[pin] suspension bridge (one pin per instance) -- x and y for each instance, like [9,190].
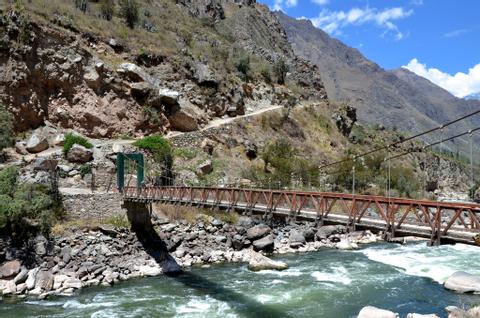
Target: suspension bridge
[440,222]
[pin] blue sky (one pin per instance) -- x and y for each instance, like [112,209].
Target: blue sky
[437,39]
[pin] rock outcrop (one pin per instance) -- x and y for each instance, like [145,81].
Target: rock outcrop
[463,282]
[373,312]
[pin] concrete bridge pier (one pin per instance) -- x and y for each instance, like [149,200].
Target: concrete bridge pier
[140,217]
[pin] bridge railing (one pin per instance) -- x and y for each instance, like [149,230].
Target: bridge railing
[394,214]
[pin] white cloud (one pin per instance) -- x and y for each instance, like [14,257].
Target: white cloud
[456,33]
[460,84]
[333,21]
[320,2]
[281,4]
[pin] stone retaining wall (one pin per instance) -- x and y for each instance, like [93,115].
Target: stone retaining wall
[93,205]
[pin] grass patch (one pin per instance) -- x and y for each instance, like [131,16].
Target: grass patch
[71,139]
[186,153]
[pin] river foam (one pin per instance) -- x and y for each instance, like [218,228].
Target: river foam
[417,259]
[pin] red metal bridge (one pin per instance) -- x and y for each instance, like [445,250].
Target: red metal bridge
[439,221]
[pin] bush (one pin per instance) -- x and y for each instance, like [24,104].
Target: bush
[6,128]
[129,12]
[81,5]
[162,154]
[243,66]
[281,69]
[25,209]
[107,9]
[267,74]
[71,139]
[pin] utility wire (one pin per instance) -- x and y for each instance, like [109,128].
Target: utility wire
[402,141]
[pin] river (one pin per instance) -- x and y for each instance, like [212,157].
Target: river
[327,283]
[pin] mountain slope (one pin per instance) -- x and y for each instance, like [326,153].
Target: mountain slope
[395,98]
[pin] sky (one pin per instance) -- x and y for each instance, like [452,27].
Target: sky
[437,39]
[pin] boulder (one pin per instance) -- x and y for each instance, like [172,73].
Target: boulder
[258,231]
[10,269]
[37,143]
[463,282]
[204,76]
[79,154]
[237,242]
[59,140]
[20,148]
[422,316]
[373,312]
[296,238]
[264,244]
[346,244]
[44,164]
[32,274]
[184,118]
[140,89]
[134,73]
[168,96]
[327,230]
[22,276]
[10,288]
[72,282]
[91,78]
[205,168]
[44,280]
[258,262]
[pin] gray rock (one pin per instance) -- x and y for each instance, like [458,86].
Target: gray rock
[22,276]
[10,288]
[463,282]
[32,274]
[44,280]
[41,248]
[237,242]
[205,168]
[204,75]
[373,312]
[168,96]
[413,315]
[20,147]
[264,244]
[296,239]
[37,143]
[92,78]
[245,221]
[258,262]
[79,154]
[258,231]
[134,72]
[10,269]
[185,117]
[327,230]
[44,164]
[72,282]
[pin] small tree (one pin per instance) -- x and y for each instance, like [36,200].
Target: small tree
[6,128]
[107,9]
[81,5]
[129,12]
[281,69]
[162,154]
[243,66]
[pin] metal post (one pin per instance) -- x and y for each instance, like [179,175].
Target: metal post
[472,182]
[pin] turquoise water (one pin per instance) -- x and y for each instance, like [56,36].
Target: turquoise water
[326,283]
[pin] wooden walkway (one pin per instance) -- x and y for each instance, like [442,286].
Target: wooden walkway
[441,222]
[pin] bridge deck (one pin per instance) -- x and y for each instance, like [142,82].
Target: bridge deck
[439,221]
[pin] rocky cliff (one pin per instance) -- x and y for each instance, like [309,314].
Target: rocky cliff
[77,71]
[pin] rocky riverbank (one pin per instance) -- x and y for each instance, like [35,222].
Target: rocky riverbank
[105,255]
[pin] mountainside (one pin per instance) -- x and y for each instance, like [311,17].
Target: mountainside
[397,98]
[182,64]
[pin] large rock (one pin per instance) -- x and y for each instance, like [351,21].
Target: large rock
[327,230]
[185,117]
[32,274]
[455,312]
[37,143]
[80,154]
[205,167]
[373,312]
[134,73]
[258,262]
[168,96]
[346,244]
[45,164]
[22,276]
[264,244]
[72,282]
[44,280]
[204,76]
[463,282]
[296,239]
[258,231]
[10,269]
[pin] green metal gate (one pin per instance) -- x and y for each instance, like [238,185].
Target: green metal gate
[139,160]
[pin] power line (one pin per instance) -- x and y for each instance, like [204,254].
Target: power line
[401,141]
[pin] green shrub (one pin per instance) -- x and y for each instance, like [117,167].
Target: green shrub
[281,69]
[71,139]
[162,154]
[25,209]
[107,9]
[81,5]
[85,169]
[6,128]
[267,74]
[129,12]
[243,66]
